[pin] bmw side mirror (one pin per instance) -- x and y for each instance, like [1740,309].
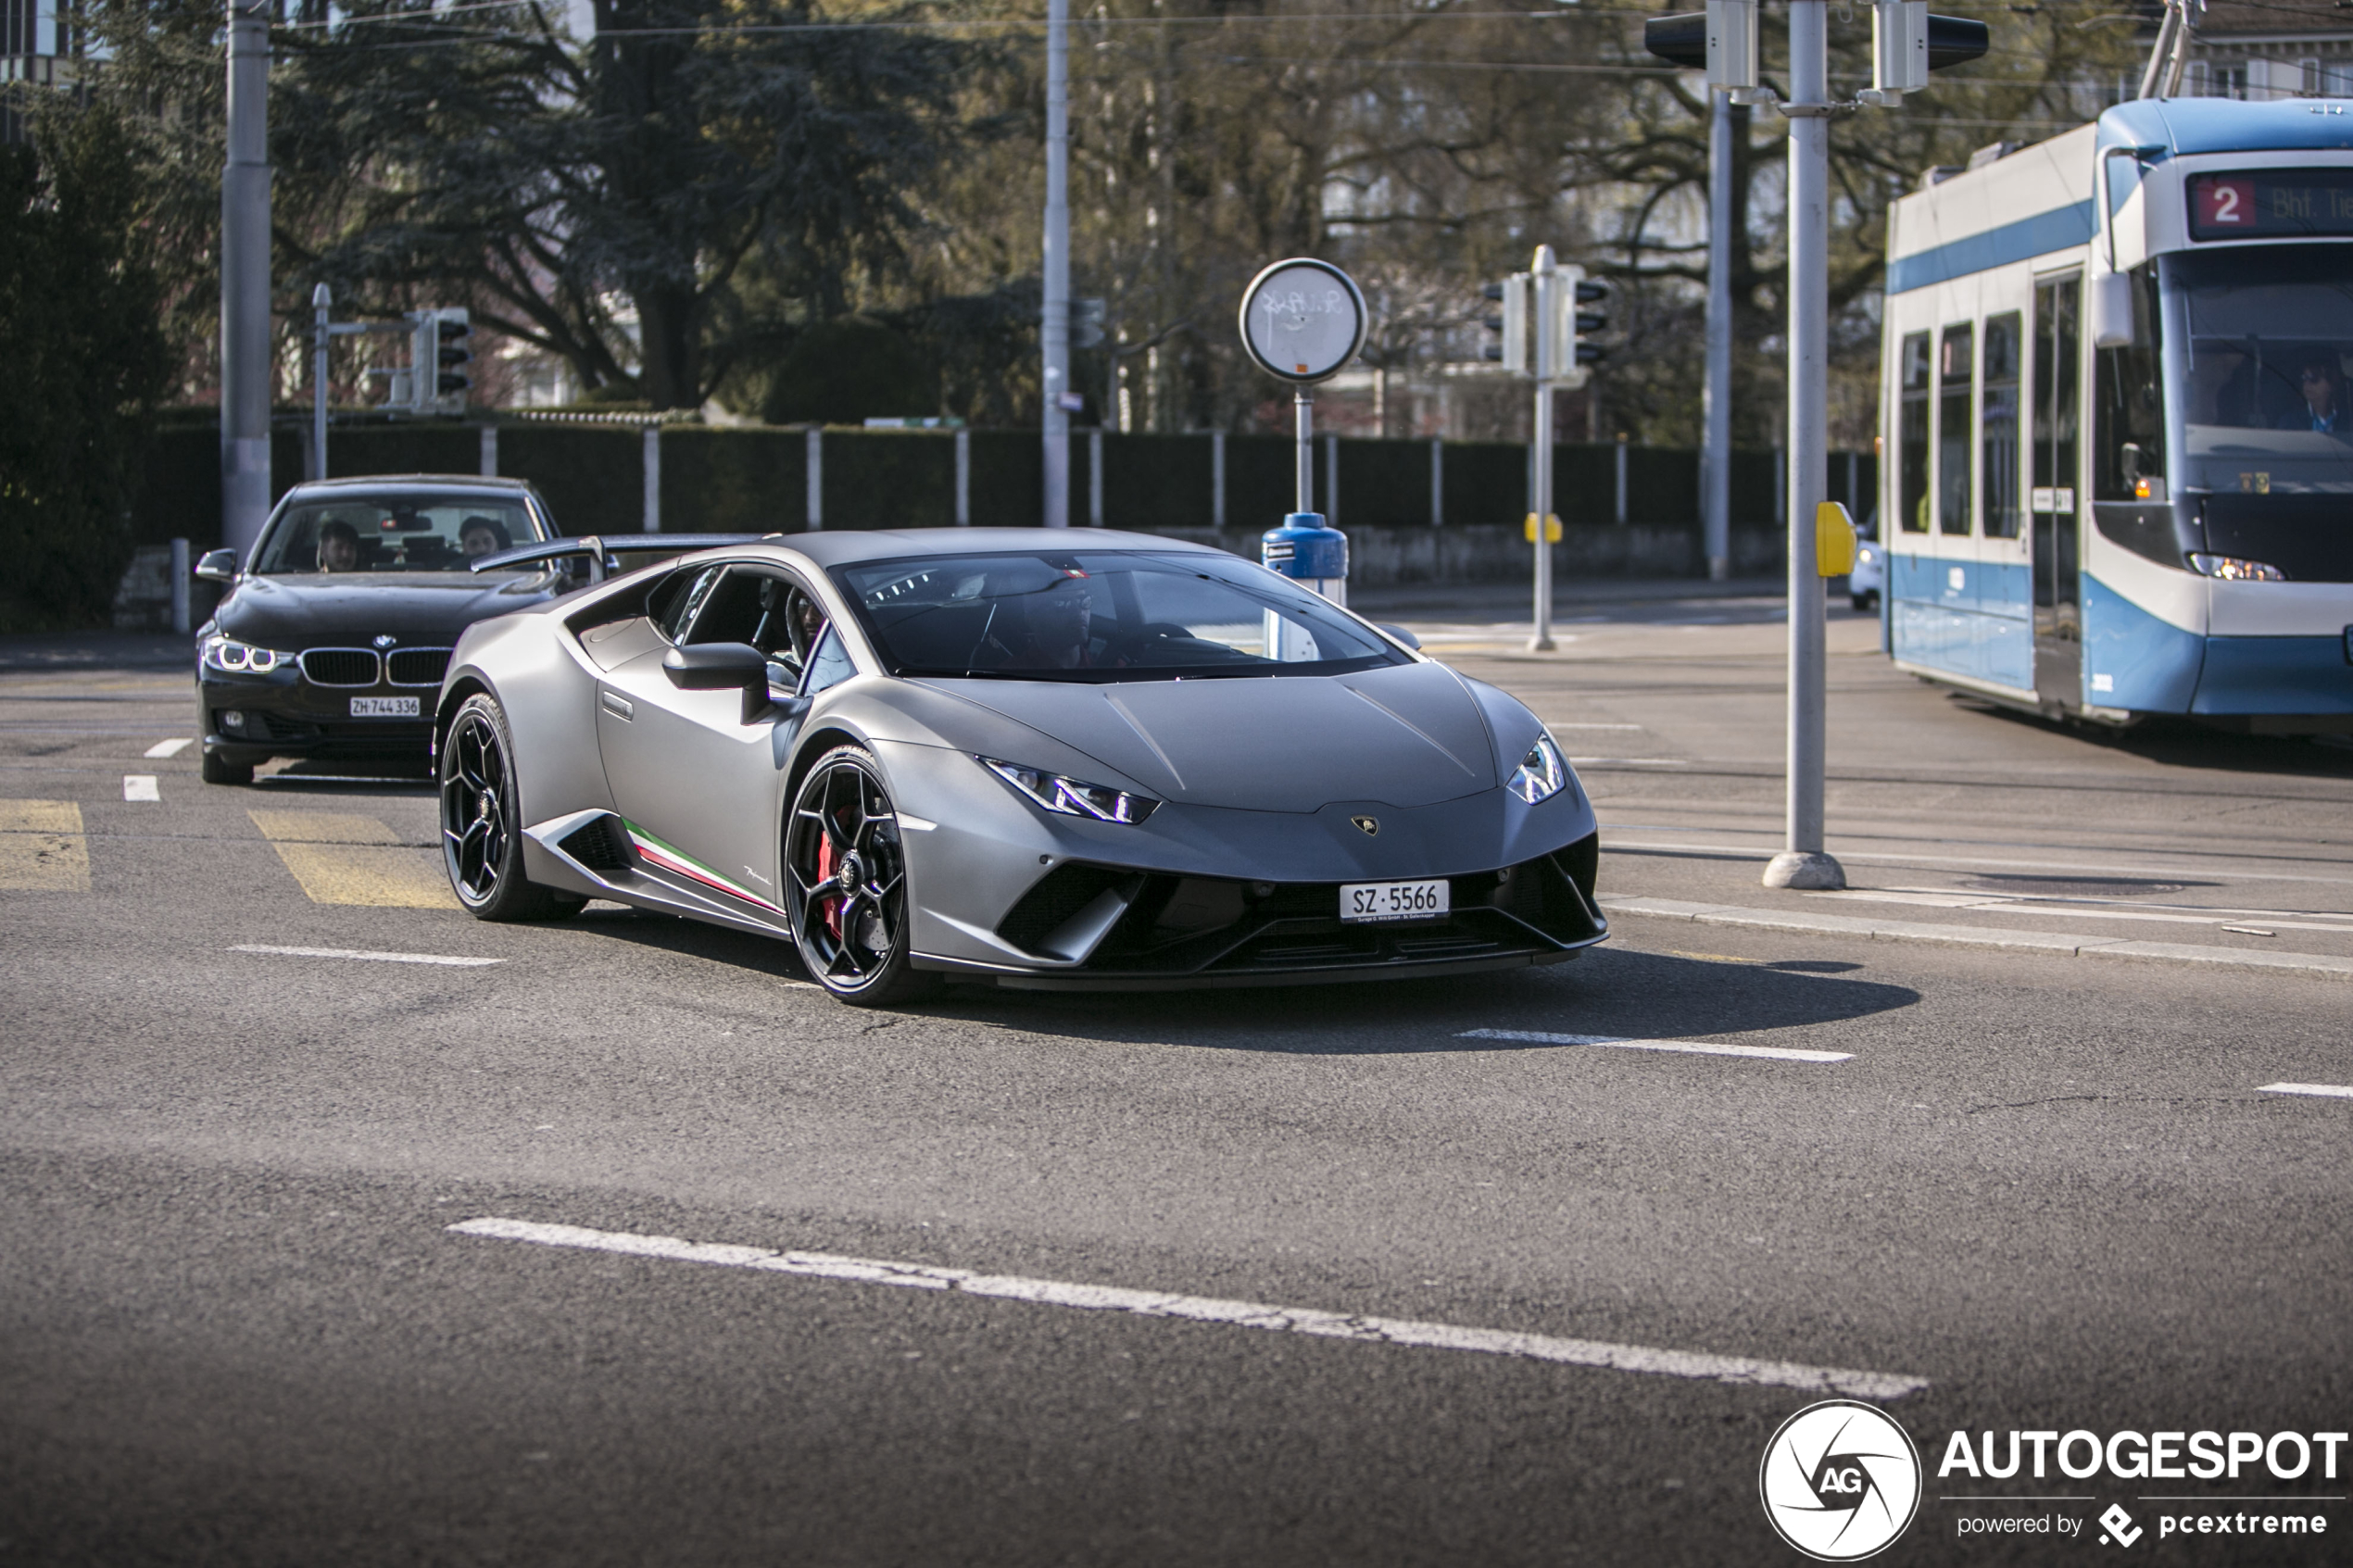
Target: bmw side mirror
[217,566]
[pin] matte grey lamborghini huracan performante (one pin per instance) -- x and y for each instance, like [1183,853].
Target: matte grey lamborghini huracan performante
[1075,761]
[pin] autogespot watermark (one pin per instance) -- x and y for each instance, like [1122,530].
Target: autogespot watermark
[2247,1458]
[1841,1480]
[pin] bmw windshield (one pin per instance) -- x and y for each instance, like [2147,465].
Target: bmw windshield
[1090,617]
[394,530]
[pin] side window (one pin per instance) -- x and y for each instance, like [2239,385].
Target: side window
[2128,458]
[672,607]
[1998,425]
[1955,371]
[1911,437]
[733,611]
[828,664]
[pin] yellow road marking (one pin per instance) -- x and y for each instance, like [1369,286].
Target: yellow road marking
[41,848]
[1712,958]
[341,858]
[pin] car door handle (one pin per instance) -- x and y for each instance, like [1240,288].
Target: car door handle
[614,704]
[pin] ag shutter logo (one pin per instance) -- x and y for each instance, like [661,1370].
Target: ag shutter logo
[1841,1480]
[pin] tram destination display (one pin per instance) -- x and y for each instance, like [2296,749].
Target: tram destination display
[2272,204]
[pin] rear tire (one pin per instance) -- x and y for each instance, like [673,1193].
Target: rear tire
[214,770]
[481,824]
[845,884]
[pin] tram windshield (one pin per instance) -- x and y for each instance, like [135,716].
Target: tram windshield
[2268,352]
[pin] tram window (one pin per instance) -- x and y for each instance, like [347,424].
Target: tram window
[1956,369]
[1911,436]
[2128,441]
[1998,425]
[2055,380]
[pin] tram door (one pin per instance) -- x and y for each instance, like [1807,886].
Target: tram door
[2058,591]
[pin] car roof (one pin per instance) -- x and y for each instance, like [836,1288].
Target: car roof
[417,481]
[851,547]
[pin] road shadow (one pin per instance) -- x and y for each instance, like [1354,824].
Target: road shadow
[1608,991]
[2178,743]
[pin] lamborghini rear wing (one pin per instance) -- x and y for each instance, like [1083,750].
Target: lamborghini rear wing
[603,551]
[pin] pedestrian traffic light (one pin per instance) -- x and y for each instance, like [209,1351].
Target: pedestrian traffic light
[1087,319]
[450,355]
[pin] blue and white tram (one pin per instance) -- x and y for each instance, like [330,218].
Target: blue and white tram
[2115,395]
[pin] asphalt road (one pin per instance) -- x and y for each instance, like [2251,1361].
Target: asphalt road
[2031,1192]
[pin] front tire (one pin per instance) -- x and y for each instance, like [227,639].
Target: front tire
[214,770]
[846,881]
[481,821]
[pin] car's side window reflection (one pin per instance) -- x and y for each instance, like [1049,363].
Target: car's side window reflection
[674,604]
[829,666]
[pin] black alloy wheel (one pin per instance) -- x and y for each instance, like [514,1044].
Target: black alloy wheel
[845,878]
[480,831]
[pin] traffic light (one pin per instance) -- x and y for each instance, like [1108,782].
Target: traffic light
[1511,352]
[1584,324]
[450,329]
[1087,319]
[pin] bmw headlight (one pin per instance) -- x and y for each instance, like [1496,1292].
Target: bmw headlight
[1073,797]
[1541,774]
[233,657]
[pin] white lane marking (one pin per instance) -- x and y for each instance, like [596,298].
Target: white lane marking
[1630,761]
[2333,1091]
[1200,1309]
[140,787]
[1594,726]
[1695,1048]
[358,953]
[169,748]
[1891,858]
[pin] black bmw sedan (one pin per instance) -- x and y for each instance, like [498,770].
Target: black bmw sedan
[334,632]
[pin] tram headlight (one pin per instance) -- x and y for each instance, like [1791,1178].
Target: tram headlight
[2236,569]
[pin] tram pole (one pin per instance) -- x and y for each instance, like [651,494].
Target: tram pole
[1804,862]
[1716,461]
[245,281]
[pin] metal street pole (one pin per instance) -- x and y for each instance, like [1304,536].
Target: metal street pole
[1302,404]
[1803,861]
[245,281]
[1715,461]
[1054,331]
[1543,306]
[320,301]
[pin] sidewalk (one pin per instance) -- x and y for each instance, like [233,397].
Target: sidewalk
[98,650]
[1472,603]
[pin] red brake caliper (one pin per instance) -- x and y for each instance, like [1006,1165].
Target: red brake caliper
[832,902]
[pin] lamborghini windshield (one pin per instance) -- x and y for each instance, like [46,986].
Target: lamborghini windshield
[1102,617]
[389,530]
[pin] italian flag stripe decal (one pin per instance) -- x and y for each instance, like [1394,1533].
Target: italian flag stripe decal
[676,861]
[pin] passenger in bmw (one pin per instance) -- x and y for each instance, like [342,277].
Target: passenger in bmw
[480,536]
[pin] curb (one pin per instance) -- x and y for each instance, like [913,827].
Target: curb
[2057,945]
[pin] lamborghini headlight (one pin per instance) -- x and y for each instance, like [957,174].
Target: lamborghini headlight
[1073,797]
[233,657]
[1541,772]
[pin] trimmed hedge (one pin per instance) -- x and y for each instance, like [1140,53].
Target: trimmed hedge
[756,480]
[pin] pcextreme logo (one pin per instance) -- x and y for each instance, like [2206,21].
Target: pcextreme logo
[1841,1480]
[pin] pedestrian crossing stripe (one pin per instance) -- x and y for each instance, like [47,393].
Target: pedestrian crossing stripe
[43,847]
[343,857]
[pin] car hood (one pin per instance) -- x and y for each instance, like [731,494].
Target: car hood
[1407,735]
[418,609]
